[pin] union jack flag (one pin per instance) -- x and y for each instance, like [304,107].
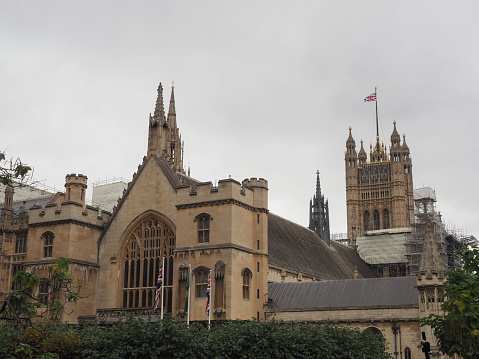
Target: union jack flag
[208,294]
[158,287]
[370,98]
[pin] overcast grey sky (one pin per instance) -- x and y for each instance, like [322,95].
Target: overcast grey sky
[263,89]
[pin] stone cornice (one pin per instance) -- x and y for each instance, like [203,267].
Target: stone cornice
[52,261]
[65,221]
[209,247]
[221,202]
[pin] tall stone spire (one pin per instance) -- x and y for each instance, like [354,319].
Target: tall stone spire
[431,262]
[172,109]
[319,213]
[159,114]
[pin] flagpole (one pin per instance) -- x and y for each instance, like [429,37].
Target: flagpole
[189,295]
[162,285]
[209,309]
[377,122]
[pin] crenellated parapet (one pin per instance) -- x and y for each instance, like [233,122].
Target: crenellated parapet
[68,212]
[252,193]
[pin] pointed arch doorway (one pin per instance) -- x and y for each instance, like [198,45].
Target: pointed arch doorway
[149,238]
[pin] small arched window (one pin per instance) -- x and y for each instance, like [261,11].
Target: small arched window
[247,275]
[201,276]
[47,239]
[203,221]
[43,290]
[386,219]
[407,353]
[366,220]
[374,330]
[376,219]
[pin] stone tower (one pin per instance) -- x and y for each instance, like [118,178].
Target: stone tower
[430,281]
[319,214]
[164,137]
[379,192]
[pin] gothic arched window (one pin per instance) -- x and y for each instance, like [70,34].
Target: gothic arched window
[247,275]
[21,242]
[374,330]
[47,239]
[201,276]
[203,220]
[386,219]
[43,290]
[407,353]
[147,242]
[366,220]
[376,219]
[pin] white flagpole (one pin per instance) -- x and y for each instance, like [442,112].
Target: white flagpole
[209,310]
[162,285]
[189,295]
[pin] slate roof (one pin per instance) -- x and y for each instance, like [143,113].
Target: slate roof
[369,292]
[298,248]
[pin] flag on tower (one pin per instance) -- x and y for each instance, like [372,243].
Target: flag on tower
[187,303]
[208,295]
[371,97]
[158,287]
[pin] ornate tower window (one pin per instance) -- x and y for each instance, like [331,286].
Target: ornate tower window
[201,276]
[203,221]
[247,275]
[366,220]
[21,242]
[376,219]
[386,219]
[47,239]
[147,242]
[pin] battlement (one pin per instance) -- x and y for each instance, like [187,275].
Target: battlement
[76,180]
[255,183]
[69,212]
[252,192]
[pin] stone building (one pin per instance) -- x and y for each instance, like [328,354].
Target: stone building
[165,213]
[262,265]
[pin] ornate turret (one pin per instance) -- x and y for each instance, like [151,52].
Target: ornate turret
[319,214]
[164,137]
[362,157]
[350,156]
[7,210]
[75,188]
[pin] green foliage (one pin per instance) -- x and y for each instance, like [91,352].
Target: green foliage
[9,334]
[171,339]
[457,331]
[10,170]
[21,305]
[229,339]
[52,339]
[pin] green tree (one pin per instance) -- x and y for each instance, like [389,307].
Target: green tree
[22,305]
[457,331]
[13,170]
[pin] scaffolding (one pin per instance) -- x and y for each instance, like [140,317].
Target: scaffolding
[448,241]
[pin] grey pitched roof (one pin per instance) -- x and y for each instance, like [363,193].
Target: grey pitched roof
[369,292]
[298,248]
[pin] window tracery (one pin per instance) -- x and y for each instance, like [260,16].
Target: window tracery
[147,243]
